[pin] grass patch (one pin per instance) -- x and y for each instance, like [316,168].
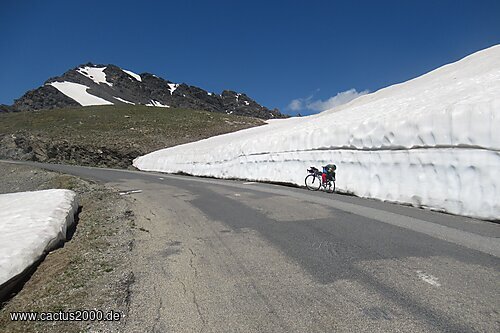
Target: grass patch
[60,133]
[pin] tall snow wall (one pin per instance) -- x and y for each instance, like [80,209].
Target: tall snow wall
[432,141]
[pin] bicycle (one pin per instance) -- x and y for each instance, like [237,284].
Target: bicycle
[314,181]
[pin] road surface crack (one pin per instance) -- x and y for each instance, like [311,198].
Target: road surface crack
[193,267]
[184,289]
[203,321]
[194,300]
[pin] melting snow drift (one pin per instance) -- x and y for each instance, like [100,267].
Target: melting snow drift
[123,100]
[32,224]
[96,74]
[431,141]
[132,74]
[79,93]
[158,104]
[172,87]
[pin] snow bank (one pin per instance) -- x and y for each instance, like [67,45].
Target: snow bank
[79,93]
[96,74]
[31,224]
[135,76]
[432,141]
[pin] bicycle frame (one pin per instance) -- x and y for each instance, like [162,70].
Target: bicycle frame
[326,185]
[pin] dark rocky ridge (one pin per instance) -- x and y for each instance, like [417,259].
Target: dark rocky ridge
[45,97]
[27,147]
[150,88]
[6,108]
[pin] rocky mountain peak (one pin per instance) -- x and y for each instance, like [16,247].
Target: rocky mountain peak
[97,84]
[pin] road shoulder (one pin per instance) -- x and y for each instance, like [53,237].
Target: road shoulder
[90,271]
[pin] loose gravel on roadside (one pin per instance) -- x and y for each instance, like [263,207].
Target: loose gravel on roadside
[90,271]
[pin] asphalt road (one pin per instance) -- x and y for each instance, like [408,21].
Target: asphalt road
[234,256]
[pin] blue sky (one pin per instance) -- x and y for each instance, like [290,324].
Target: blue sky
[293,55]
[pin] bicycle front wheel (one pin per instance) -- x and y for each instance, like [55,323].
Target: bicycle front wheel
[313,183]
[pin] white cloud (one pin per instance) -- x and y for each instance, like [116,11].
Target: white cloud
[339,99]
[296,105]
[320,105]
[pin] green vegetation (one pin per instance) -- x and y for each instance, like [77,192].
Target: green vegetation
[55,135]
[133,125]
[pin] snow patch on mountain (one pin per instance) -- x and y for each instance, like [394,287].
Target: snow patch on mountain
[96,74]
[122,100]
[432,142]
[172,87]
[158,104]
[79,93]
[134,75]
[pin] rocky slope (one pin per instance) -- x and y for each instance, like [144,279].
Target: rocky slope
[109,135]
[108,84]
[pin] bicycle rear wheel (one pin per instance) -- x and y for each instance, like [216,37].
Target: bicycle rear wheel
[313,183]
